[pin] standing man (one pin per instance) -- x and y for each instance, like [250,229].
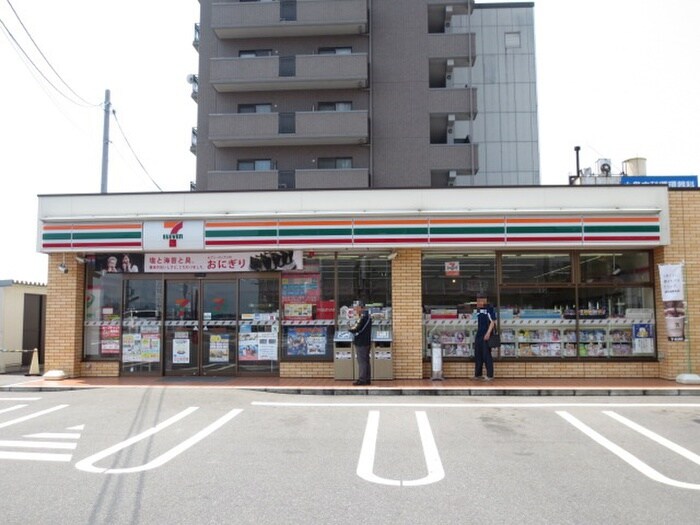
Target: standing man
[363,337]
[486,324]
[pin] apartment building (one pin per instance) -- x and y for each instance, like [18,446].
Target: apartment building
[351,94]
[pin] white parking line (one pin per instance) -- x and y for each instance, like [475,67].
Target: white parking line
[626,456]
[87,464]
[687,454]
[11,409]
[55,435]
[473,405]
[365,464]
[35,456]
[38,444]
[32,416]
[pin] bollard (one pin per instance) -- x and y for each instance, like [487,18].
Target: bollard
[34,366]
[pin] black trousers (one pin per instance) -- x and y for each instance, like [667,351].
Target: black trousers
[362,353]
[482,355]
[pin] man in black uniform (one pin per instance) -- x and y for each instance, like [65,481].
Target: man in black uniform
[363,337]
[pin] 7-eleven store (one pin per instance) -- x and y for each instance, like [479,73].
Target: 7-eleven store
[260,283]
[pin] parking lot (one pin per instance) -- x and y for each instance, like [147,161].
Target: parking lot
[263,457]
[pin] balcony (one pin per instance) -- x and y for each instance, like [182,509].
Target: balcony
[446,45]
[460,101]
[294,73]
[288,129]
[462,158]
[280,19]
[334,179]
[242,180]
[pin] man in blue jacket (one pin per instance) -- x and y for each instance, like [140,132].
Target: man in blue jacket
[486,324]
[362,340]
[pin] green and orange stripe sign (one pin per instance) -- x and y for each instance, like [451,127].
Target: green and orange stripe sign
[363,232]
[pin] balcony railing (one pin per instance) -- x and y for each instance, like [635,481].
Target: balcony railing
[293,129]
[309,72]
[463,158]
[275,19]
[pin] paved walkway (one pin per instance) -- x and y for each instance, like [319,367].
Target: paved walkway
[448,387]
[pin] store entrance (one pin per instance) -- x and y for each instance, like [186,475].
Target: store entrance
[217,327]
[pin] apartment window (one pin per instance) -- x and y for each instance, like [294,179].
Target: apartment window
[250,53]
[512,40]
[335,50]
[334,163]
[255,108]
[255,165]
[335,106]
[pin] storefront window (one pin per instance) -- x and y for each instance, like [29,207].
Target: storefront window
[141,326]
[621,267]
[454,279]
[536,268]
[103,309]
[308,308]
[365,277]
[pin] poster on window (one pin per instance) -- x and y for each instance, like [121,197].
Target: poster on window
[267,346]
[150,344]
[306,341]
[109,340]
[248,346]
[643,338]
[181,351]
[673,297]
[219,348]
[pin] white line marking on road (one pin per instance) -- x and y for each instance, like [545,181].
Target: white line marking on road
[32,416]
[35,456]
[624,455]
[54,435]
[365,464]
[687,454]
[10,409]
[38,444]
[76,427]
[475,405]
[19,398]
[87,464]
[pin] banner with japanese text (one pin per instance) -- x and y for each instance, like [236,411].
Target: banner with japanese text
[283,260]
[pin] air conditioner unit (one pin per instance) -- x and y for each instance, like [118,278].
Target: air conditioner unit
[604,166]
[448,76]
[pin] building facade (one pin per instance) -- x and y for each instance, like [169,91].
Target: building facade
[240,283]
[312,94]
[22,323]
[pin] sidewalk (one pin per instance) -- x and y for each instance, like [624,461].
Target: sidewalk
[448,387]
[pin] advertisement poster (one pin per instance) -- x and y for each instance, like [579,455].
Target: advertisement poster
[643,338]
[673,297]
[181,351]
[248,346]
[452,268]
[224,262]
[267,346]
[306,341]
[109,339]
[131,348]
[150,344]
[219,348]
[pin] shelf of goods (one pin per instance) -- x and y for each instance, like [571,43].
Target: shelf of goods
[455,336]
[617,337]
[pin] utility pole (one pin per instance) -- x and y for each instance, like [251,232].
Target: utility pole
[105,142]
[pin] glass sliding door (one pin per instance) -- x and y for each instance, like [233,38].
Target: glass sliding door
[258,337]
[182,330]
[219,319]
[142,323]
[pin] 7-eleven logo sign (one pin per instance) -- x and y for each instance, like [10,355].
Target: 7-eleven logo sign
[173,235]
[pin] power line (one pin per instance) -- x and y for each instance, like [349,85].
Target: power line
[17,44]
[44,56]
[132,150]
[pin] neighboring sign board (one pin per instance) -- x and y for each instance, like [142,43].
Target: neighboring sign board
[672,181]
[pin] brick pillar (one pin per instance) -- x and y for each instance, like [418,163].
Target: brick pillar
[684,207]
[64,315]
[407,314]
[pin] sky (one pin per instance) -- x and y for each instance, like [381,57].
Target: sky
[617,78]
